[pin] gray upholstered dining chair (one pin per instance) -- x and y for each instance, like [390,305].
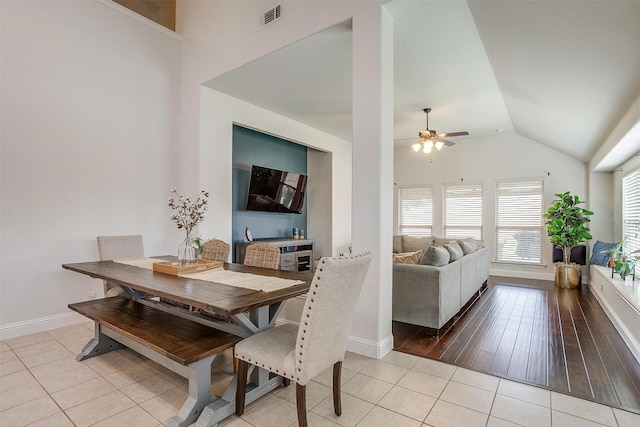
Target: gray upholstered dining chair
[216,250]
[119,247]
[262,255]
[301,352]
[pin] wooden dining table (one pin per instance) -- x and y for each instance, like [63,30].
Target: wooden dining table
[250,310]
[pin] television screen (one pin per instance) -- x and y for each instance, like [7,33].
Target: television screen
[274,190]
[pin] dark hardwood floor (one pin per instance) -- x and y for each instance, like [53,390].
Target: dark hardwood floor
[532,332]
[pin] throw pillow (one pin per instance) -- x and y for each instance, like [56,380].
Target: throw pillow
[412,244]
[441,241]
[599,258]
[479,243]
[455,251]
[408,257]
[468,246]
[436,256]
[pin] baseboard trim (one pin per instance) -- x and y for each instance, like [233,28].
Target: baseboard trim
[377,350]
[41,324]
[521,274]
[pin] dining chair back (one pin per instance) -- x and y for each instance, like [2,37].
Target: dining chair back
[262,255]
[216,250]
[302,352]
[119,247]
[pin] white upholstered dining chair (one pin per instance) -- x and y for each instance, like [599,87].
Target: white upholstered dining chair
[301,352]
[119,247]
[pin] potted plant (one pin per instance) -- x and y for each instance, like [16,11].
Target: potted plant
[621,262]
[567,227]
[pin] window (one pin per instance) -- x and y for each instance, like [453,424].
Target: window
[463,211]
[519,224]
[631,210]
[416,210]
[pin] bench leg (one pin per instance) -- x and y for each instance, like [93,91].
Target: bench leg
[99,345]
[199,393]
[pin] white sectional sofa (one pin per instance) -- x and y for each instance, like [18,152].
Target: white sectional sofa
[431,295]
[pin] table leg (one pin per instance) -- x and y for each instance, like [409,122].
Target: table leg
[259,319]
[98,345]
[199,376]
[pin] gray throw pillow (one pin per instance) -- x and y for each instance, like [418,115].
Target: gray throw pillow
[412,244]
[468,246]
[455,251]
[436,256]
[479,243]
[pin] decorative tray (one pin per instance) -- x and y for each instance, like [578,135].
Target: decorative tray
[176,267]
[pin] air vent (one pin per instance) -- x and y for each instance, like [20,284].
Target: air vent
[271,15]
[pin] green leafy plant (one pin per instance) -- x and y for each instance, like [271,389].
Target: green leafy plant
[567,223]
[623,263]
[199,244]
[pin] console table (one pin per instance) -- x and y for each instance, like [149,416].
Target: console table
[295,254]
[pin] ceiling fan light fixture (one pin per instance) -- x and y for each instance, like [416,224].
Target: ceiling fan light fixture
[429,138]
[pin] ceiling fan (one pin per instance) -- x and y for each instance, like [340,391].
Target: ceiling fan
[430,139]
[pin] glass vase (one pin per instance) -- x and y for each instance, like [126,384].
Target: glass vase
[187,251]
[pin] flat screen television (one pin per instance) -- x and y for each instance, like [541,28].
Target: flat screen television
[274,190]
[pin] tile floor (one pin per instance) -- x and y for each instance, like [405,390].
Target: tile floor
[42,385]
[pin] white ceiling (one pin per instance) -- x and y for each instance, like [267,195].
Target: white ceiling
[561,73]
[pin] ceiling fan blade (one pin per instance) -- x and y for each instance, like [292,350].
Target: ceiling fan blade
[446,142]
[450,134]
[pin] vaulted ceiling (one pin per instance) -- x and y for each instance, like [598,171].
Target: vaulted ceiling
[561,73]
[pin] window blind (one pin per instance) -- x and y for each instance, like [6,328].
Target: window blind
[463,211]
[631,210]
[519,225]
[416,210]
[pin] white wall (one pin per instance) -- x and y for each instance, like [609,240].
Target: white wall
[601,202]
[487,160]
[89,125]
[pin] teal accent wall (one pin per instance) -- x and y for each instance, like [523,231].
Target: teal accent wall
[255,148]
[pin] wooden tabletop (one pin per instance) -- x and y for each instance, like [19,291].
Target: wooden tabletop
[210,296]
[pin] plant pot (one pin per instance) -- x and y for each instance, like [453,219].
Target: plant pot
[568,276]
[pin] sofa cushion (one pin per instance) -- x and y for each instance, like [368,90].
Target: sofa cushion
[412,244]
[408,257]
[455,251]
[397,244]
[436,256]
[468,246]
[441,241]
[599,258]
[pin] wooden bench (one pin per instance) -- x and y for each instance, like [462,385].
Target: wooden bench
[179,344]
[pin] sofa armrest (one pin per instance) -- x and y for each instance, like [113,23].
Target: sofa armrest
[425,295]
